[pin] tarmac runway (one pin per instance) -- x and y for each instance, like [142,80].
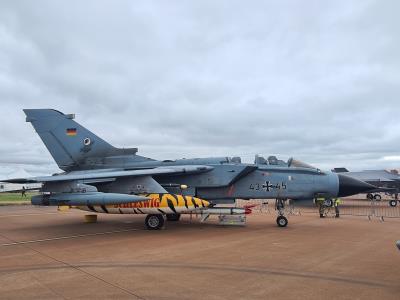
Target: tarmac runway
[45,254]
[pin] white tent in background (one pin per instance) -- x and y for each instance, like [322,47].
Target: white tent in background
[19,173]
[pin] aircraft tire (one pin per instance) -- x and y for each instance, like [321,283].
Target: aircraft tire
[393,203]
[154,222]
[282,221]
[377,197]
[370,196]
[173,217]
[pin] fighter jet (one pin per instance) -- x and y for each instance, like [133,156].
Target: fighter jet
[4,188]
[386,181]
[101,178]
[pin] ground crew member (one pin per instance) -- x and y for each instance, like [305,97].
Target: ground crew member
[23,192]
[336,203]
[321,207]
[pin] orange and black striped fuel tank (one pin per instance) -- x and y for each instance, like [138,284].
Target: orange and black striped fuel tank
[157,204]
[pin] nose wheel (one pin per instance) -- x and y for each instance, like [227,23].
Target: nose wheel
[281,220]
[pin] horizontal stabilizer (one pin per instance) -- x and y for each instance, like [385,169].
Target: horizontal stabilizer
[21,180]
[85,199]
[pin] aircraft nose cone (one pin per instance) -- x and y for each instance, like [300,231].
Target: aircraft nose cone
[350,186]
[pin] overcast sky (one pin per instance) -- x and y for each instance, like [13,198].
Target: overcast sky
[318,80]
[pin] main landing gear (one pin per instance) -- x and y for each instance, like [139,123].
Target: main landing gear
[154,222]
[281,220]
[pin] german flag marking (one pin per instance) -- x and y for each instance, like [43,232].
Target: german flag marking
[71,131]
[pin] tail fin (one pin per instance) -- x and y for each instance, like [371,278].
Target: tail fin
[69,143]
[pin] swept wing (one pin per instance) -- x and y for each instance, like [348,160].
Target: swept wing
[98,175]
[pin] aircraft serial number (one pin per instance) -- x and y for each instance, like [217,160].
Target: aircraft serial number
[268,186]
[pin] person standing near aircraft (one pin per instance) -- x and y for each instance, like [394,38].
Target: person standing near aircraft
[23,192]
[319,201]
[336,203]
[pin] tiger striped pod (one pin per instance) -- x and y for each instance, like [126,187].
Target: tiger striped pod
[157,204]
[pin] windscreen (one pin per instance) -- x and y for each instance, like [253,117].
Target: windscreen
[299,164]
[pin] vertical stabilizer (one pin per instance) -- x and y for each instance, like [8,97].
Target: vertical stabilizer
[68,142]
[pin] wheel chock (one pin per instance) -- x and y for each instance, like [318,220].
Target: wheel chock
[90,218]
[63,208]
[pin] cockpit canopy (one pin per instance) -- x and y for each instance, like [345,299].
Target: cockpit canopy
[271,160]
[299,164]
[274,161]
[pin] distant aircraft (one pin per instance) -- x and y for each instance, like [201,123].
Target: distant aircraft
[14,187]
[101,178]
[379,178]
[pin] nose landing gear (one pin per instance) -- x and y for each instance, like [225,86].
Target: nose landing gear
[281,220]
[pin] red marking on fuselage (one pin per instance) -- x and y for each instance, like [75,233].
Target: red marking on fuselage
[231,189]
[152,203]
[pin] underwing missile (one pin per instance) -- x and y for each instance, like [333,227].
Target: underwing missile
[227,211]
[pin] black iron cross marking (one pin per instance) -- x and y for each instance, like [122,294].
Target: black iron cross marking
[267,186]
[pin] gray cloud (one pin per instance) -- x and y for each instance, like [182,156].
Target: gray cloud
[316,80]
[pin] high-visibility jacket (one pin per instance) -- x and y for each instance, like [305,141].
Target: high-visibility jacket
[337,201]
